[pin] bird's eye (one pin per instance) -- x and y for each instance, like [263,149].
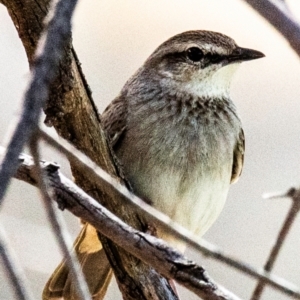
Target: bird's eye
[194,54]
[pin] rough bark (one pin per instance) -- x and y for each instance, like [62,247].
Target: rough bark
[73,114]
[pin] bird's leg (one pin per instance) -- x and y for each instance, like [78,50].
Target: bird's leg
[174,288]
[151,229]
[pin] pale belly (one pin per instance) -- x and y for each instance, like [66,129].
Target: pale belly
[194,203]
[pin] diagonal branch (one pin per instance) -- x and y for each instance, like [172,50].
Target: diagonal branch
[158,217]
[45,69]
[278,14]
[287,224]
[151,250]
[100,177]
[13,270]
[58,225]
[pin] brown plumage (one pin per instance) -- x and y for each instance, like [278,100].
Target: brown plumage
[176,132]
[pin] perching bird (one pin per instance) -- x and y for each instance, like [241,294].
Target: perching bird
[178,136]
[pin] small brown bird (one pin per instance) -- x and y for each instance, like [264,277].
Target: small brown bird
[179,138]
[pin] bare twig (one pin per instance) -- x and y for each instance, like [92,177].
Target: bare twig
[43,73]
[59,227]
[178,231]
[13,269]
[290,218]
[278,14]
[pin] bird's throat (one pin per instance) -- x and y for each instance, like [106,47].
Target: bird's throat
[212,85]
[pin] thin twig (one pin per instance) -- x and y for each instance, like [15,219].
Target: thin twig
[278,14]
[59,227]
[164,221]
[13,269]
[290,218]
[44,71]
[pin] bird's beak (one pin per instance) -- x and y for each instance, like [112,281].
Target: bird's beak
[243,54]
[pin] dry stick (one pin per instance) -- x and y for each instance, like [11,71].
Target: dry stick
[59,227]
[66,192]
[281,18]
[13,269]
[43,73]
[279,15]
[290,218]
[151,250]
[154,215]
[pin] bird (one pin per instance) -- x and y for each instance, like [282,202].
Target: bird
[179,139]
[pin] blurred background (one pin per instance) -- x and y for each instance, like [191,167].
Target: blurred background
[112,39]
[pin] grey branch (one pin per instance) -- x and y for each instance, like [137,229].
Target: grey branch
[44,72]
[24,173]
[287,224]
[42,75]
[59,228]
[100,177]
[13,269]
[151,250]
[278,14]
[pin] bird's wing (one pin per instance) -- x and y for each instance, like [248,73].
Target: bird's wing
[114,120]
[238,157]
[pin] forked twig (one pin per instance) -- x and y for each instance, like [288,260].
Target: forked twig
[280,16]
[287,224]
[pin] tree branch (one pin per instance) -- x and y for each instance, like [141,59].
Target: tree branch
[71,110]
[287,224]
[13,269]
[59,228]
[151,250]
[45,69]
[24,173]
[278,14]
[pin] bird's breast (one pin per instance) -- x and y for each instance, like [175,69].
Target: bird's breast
[180,162]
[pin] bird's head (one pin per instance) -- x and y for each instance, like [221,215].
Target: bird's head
[201,62]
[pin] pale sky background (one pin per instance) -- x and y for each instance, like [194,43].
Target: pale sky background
[112,39]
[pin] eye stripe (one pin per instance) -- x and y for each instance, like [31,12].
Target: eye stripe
[208,58]
[214,58]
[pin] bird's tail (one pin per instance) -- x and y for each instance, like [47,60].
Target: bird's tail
[95,267]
